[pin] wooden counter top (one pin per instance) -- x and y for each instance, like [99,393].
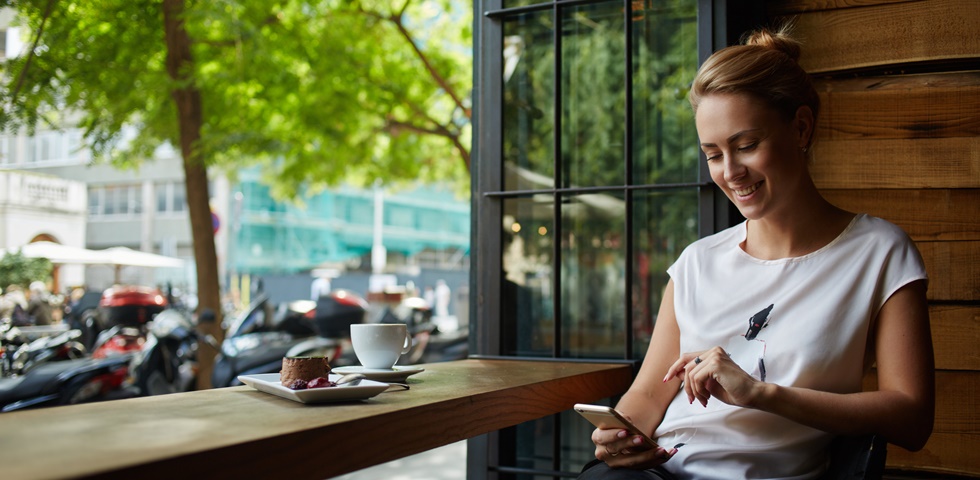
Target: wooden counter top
[239,432]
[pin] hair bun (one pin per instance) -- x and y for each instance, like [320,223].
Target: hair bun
[780,40]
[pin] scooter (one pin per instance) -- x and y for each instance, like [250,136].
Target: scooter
[123,306]
[167,361]
[160,339]
[68,382]
[22,354]
[81,314]
[257,340]
[429,343]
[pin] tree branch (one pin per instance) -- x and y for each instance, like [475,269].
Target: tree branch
[30,55]
[392,126]
[396,19]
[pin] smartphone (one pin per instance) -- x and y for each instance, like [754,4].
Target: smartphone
[607,417]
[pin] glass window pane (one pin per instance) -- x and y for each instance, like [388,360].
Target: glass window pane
[664,222]
[161,191]
[527,311]
[665,59]
[110,200]
[13,154]
[528,95]
[593,97]
[523,3]
[180,198]
[95,200]
[593,262]
[135,200]
[535,445]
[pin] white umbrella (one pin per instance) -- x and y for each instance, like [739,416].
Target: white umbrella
[122,256]
[116,256]
[126,257]
[60,254]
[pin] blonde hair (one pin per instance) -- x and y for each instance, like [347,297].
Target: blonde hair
[763,66]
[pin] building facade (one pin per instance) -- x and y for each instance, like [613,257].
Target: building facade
[36,207]
[343,229]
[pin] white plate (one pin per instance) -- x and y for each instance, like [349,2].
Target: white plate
[395,374]
[269,383]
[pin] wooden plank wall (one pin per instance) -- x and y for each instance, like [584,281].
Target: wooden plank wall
[899,138]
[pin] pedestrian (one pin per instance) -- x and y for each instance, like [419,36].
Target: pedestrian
[39,305]
[443,296]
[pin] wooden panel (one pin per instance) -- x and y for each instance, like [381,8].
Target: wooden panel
[956,401]
[952,446]
[953,269]
[926,215]
[956,336]
[882,83]
[912,106]
[950,453]
[889,34]
[957,396]
[788,7]
[897,163]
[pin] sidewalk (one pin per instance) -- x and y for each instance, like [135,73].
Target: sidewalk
[443,463]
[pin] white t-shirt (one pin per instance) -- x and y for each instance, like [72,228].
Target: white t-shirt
[817,312]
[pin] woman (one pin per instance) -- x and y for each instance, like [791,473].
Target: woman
[767,329]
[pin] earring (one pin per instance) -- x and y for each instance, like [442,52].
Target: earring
[804,148]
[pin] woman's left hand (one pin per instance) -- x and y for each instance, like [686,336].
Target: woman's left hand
[712,373]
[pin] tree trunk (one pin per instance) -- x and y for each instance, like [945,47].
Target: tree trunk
[189,118]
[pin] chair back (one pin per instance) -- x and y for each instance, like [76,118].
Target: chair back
[857,458]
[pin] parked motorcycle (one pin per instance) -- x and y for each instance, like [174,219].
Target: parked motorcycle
[79,314]
[429,343]
[160,340]
[44,368]
[257,340]
[163,347]
[68,382]
[167,361]
[23,348]
[123,305]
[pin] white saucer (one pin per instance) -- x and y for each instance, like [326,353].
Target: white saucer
[395,374]
[269,383]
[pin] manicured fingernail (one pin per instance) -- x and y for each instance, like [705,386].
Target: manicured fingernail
[673,451]
[637,441]
[621,434]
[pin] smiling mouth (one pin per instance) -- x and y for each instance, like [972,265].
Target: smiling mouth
[748,190]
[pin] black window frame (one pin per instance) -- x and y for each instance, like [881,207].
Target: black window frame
[720,23]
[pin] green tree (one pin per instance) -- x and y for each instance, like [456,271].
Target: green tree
[16,269]
[317,91]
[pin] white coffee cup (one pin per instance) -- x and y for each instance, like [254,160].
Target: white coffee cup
[378,345]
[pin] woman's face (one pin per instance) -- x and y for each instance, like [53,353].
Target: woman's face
[754,155]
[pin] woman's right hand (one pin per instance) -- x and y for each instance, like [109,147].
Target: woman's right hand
[619,449]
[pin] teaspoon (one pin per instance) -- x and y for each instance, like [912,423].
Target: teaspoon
[350,379]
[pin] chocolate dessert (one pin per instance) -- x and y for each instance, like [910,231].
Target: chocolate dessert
[303,368]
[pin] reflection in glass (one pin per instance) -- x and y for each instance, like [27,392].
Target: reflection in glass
[526,302]
[665,143]
[535,446]
[593,275]
[593,99]
[664,222]
[528,95]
